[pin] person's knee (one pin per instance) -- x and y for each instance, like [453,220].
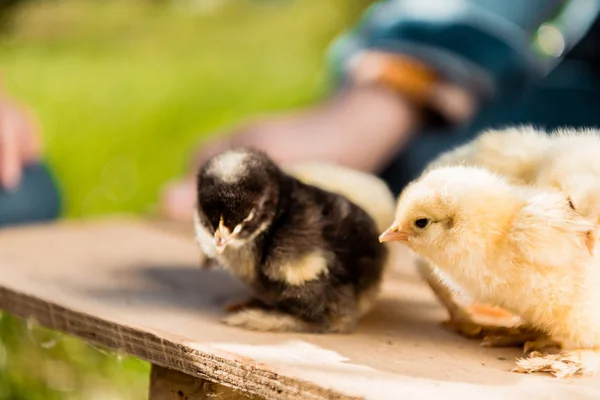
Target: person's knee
[36,199]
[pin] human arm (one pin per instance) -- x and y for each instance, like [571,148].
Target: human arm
[456,58]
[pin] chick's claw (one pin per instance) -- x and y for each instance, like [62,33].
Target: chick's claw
[541,344]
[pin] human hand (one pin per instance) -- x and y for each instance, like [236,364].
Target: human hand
[361,128]
[19,142]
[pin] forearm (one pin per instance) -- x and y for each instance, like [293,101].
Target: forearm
[361,128]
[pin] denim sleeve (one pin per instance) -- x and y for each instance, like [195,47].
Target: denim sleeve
[487,46]
[36,199]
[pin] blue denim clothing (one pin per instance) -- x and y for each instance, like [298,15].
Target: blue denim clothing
[494,49]
[569,97]
[36,199]
[488,46]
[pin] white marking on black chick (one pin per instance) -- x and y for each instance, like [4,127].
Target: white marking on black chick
[230,166]
[305,269]
[311,256]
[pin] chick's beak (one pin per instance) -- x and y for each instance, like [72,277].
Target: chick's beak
[394,234]
[222,235]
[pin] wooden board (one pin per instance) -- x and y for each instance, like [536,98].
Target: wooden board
[168,384]
[137,288]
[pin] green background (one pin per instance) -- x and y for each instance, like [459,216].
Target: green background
[124,90]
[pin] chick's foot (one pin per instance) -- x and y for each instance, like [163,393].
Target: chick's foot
[492,335]
[542,344]
[496,326]
[262,320]
[476,321]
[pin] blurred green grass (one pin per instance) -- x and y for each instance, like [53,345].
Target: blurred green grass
[124,90]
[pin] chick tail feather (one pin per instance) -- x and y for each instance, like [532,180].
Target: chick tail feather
[267,321]
[563,364]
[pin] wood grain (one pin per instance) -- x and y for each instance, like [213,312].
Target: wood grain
[168,384]
[137,289]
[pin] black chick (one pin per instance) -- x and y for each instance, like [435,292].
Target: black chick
[311,256]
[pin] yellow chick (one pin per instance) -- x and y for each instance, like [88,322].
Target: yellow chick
[566,159]
[571,164]
[516,153]
[514,247]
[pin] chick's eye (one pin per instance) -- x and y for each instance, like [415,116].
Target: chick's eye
[571,204]
[422,223]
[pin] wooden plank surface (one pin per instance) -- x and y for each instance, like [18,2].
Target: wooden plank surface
[137,288]
[168,384]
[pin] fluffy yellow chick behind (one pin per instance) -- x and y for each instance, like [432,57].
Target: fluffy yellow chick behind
[516,153]
[572,165]
[514,247]
[566,159]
